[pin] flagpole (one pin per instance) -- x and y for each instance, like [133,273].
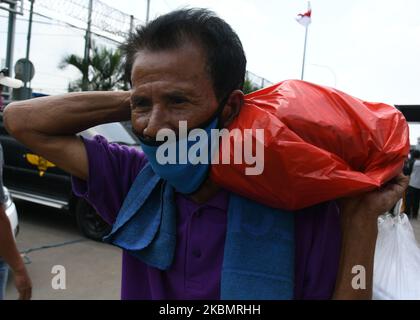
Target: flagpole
[304,46]
[304,53]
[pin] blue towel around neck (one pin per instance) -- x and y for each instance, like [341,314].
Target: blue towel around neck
[258,258]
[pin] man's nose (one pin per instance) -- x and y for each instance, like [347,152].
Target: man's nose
[158,120]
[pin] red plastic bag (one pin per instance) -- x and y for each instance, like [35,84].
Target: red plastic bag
[319,144]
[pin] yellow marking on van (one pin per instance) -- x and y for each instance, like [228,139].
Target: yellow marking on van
[40,162]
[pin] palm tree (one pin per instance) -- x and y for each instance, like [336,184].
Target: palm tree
[104,71]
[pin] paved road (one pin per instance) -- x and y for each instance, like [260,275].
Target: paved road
[93,270]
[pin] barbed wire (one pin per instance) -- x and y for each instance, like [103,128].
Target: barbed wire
[107,22]
[104,17]
[257,80]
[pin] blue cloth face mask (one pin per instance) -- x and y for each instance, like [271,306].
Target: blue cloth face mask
[189,169]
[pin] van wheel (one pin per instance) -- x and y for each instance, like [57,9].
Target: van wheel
[89,222]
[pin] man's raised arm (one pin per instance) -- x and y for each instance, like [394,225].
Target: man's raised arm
[359,220]
[48,125]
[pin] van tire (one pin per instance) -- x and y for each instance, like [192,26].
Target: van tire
[90,222]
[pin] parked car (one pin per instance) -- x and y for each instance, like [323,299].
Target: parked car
[30,177]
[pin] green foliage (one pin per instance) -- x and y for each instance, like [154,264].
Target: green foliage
[104,71]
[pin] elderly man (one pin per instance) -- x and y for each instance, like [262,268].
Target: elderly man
[179,231]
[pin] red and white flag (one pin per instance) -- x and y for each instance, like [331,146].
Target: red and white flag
[305,18]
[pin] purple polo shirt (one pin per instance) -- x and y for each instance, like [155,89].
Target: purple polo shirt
[201,230]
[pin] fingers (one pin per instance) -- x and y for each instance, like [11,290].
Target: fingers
[397,185]
[394,190]
[25,294]
[401,180]
[23,284]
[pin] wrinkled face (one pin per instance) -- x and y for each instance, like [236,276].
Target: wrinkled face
[170,86]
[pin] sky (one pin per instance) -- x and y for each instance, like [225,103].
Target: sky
[367,48]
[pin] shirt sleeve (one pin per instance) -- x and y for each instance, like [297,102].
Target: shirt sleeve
[2,195]
[112,170]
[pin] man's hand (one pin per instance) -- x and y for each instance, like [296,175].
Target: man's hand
[10,253]
[365,209]
[359,223]
[23,284]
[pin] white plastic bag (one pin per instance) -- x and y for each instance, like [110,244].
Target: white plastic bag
[396,274]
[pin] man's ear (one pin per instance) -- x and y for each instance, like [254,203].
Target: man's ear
[232,108]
